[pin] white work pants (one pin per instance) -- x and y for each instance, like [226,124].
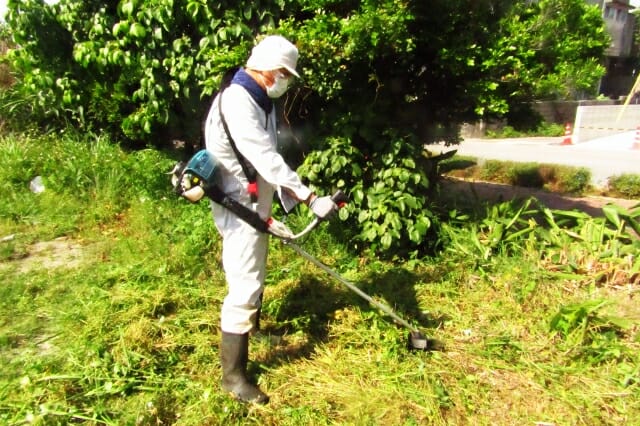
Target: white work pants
[244,258]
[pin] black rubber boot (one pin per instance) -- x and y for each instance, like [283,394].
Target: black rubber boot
[234,354]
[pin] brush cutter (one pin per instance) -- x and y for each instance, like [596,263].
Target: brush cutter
[416,339]
[197,178]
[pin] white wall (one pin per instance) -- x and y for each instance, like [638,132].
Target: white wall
[593,122]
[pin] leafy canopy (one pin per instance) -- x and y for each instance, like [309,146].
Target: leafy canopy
[380,79]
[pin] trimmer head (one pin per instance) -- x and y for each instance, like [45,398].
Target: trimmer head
[420,342]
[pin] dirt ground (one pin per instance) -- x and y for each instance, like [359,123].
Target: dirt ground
[496,192]
[62,252]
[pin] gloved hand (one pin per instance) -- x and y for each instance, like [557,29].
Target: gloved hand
[323,207]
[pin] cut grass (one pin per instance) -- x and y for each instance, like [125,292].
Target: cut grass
[128,332]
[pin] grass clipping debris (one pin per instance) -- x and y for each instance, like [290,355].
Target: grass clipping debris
[536,306]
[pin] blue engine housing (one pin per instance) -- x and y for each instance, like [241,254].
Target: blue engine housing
[204,166]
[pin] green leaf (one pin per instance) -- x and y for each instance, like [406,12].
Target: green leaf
[204,42]
[137,30]
[370,234]
[386,241]
[358,195]
[193,9]
[411,201]
[120,28]
[247,11]
[127,8]
[409,163]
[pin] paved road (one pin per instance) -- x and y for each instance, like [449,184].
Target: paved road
[605,157]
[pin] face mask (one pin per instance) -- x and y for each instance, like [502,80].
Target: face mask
[280,85]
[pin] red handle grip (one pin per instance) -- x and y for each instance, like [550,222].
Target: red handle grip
[340,198]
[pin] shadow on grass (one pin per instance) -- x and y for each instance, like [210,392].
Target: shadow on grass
[396,288]
[309,307]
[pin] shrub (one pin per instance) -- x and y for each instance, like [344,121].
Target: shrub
[389,203]
[625,185]
[544,129]
[550,129]
[525,174]
[573,180]
[505,132]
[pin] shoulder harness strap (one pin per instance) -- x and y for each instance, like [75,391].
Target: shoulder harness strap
[248,169]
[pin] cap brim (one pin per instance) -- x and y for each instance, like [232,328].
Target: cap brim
[291,70]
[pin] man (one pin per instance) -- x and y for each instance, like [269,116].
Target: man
[249,115]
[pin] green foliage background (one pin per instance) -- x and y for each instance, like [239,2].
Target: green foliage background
[379,79]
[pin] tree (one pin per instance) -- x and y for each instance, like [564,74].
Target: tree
[140,70]
[405,73]
[380,79]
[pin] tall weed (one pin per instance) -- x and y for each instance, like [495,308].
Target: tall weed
[592,334]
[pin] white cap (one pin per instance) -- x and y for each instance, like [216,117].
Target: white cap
[272,53]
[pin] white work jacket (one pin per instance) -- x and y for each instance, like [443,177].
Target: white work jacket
[255,135]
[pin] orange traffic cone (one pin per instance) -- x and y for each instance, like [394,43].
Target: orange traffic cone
[567,135]
[636,142]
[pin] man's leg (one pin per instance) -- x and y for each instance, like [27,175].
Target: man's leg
[244,255]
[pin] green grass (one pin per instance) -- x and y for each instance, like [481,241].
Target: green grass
[535,308]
